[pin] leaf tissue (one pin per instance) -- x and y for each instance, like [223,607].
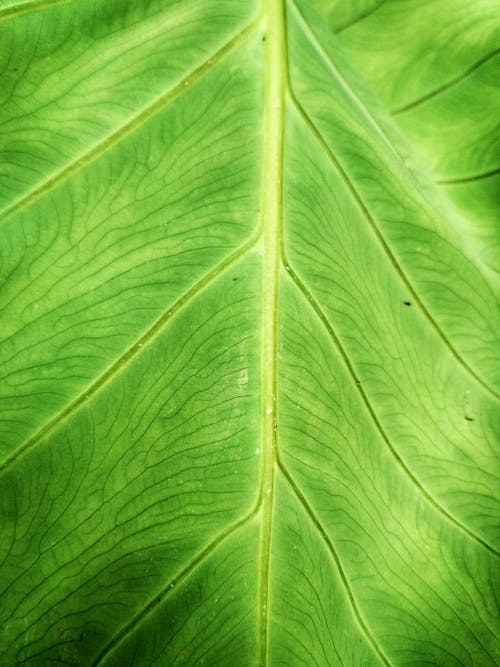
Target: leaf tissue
[249,270]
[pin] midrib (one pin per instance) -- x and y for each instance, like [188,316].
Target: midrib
[271,212]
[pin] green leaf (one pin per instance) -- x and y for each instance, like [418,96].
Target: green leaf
[250,380]
[440,84]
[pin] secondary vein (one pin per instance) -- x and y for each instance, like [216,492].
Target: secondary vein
[315,132]
[336,559]
[448,84]
[27,7]
[169,587]
[272,212]
[110,141]
[130,353]
[421,489]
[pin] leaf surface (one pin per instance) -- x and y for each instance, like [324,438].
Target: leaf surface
[249,398]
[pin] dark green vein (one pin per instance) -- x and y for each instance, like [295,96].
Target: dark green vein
[171,586]
[336,559]
[345,358]
[394,262]
[27,7]
[128,356]
[109,142]
[361,17]
[468,179]
[445,86]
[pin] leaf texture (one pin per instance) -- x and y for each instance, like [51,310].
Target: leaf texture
[249,317]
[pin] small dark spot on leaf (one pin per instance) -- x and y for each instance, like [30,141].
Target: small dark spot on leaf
[81,636]
[263,38]
[407,303]
[469,419]
[235,279]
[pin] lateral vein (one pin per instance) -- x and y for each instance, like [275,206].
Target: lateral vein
[335,557]
[170,587]
[361,17]
[444,87]
[115,138]
[299,284]
[325,57]
[469,179]
[387,250]
[28,7]
[131,352]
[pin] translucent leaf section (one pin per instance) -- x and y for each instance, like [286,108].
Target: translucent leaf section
[249,340]
[91,266]
[75,73]
[131,488]
[435,65]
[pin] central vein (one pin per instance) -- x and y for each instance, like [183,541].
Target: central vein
[272,211]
